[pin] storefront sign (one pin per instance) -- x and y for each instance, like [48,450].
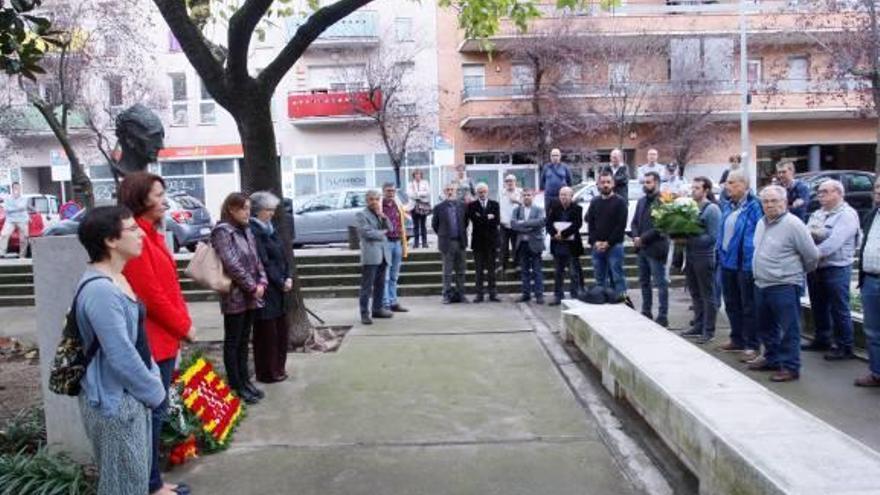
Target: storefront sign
[199,151]
[60,166]
[335,104]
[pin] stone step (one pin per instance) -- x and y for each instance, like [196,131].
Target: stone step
[407,278]
[16,301]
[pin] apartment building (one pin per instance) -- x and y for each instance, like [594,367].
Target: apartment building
[795,110]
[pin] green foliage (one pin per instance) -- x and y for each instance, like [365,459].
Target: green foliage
[24,38]
[26,432]
[43,473]
[677,218]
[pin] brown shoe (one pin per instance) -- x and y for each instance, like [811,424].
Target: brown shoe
[869,380]
[784,376]
[730,347]
[749,356]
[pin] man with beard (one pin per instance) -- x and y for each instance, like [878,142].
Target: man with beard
[653,247]
[606,221]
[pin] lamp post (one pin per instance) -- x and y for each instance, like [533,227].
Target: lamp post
[745,145]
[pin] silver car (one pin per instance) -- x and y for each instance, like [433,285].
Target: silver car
[325,218]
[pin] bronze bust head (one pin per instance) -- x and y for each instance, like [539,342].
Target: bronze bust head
[141,136]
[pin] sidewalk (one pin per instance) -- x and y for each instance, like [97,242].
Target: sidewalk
[441,400]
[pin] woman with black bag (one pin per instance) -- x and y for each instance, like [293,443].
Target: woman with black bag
[419,192]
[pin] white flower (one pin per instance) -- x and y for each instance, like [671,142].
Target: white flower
[685,201]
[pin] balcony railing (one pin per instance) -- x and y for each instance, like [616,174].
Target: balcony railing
[360,26]
[318,105]
[660,88]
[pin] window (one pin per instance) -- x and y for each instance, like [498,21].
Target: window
[114,91]
[304,185]
[341,162]
[474,76]
[798,73]
[754,69]
[522,77]
[355,200]
[571,74]
[860,183]
[618,72]
[176,169]
[403,29]
[207,108]
[179,105]
[306,163]
[322,202]
[215,167]
[404,109]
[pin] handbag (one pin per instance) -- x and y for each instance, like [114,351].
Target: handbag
[206,269]
[71,360]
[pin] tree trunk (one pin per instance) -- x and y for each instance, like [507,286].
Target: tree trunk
[261,171]
[82,185]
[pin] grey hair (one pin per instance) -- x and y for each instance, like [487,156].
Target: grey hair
[481,185]
[263,200]
[373,193]
[785,164]
[738,175]
[836,184]
[778,190]
[386,185]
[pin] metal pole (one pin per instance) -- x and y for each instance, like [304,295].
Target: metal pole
[744,95]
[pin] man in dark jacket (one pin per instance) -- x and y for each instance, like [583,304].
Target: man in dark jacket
[620,174]
[869,283]
[485,215]
[554,176]
[797,192]
[449,222]
[606,223]
[653,247]
[564,221]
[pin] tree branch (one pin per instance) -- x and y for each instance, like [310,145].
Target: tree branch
[241,29]
[194,46]
[316,24]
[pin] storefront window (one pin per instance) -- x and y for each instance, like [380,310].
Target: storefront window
[341,162]
[304,185]
[214,167]
[334,181]
[174,169]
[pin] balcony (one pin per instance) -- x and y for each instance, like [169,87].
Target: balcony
[771,21]
[332,108]
[490,106]
[359,29]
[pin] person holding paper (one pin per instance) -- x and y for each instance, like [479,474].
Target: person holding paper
[564,221]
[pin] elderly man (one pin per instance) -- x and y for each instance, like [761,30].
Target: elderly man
[510,198]
[869,282]
[606,223]
[528,223]
[739,217]
[835,229]
[797,192]
[17,218]
[484,215]
[396,239]
[651,166]
[619,173]
[564,221]
[653,248]
[784,252]
[449,222]
[372,227]
[700,264]
[554,176]
[735,163]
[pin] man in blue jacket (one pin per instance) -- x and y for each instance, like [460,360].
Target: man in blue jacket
[554,176]
[736,247]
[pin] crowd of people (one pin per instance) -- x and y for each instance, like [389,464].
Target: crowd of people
[129,303]
[757,254]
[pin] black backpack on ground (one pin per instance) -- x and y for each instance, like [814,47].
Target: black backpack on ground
[71,360]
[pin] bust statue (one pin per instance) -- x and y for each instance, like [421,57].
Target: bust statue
[141,136]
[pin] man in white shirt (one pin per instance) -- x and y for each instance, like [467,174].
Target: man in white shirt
[651,166]
[510,198]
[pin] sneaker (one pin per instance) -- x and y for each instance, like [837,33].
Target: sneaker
[397,308]
[705,339]
[730,347]
[692,334]
[366,320]
[382,313]
[784,376]
[839,355]
[869,380]
[749,355]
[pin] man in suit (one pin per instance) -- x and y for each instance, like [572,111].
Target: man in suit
[449,222]
[620,174]
[566,245]
[528,223]
[485,215]
[372,227]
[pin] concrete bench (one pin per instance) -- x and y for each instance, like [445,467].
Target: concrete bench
[737,436]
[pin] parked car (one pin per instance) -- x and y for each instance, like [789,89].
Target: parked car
[188,219]
[46,205]
[858,184]
[324,218]
[68,226]
[35,229]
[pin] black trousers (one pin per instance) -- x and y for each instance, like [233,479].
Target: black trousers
[420,230]
[575,272]
[484,263]
[508,244]
[236,337]
[700,274]
[270,348]
[372,286]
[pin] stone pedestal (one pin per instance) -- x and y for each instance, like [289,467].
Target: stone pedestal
[58,264]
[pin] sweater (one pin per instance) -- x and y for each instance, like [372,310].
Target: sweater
[553,178]
[606,219]
[703,246]
[841,235]
[784,251]
[105,312]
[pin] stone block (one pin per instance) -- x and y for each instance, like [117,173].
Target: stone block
[58,264]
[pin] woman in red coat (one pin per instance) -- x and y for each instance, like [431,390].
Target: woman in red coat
[153,277]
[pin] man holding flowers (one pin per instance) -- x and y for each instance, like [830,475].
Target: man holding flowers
[653,247]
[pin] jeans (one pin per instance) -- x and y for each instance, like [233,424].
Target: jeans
[779,325]
[420,230]
[166,369]
[871,312]
[652,268]
[575,273]
[700,274]
[372,286]
[454,266]
[393,273]
[829,300]
[609,265]
[484,264]
[739,303]
[531,276]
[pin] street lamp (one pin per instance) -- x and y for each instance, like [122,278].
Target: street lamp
[744,95]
